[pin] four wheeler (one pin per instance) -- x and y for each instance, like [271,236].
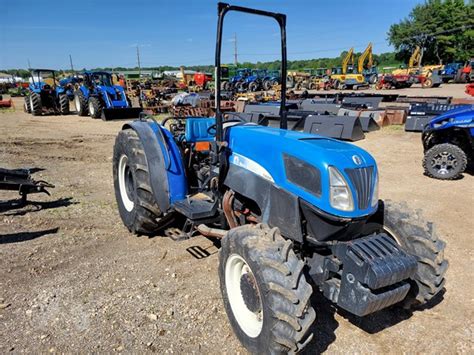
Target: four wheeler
[98,97]
[448,143]
[390,81]
[45,94]
[307,212]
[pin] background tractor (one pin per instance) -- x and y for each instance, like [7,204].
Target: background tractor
[98,97]
[289,207]
[448,143]
[45,94]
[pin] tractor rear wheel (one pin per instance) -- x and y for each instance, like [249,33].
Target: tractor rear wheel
[26,105]
[95,107]
[266,295]
[80,102]
[445,161]
[136,202]
[418,238]
[35,104]
[64,104]
[267,85]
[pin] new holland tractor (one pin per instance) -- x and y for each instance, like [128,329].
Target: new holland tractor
[294,212]
[98,97]
[45,94]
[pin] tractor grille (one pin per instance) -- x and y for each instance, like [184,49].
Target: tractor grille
[362,179]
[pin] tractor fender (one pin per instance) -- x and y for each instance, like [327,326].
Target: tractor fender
[166,169]
[85,91]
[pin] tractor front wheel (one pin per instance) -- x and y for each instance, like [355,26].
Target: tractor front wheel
[253,86]
[95,107]
[266,295]
[64,104]
[445,161]
[26,105]
[136,202]
[35,104]
[80,102]
[418,238]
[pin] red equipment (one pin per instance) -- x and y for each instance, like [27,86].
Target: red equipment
[201,79]
[5,103]
[470,89]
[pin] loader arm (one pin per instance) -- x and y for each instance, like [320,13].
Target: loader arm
[367,55]
[349,58]
[415,59]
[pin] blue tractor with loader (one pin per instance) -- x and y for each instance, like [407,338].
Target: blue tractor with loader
[448,143]
[45,94]
[98,97]
[293,211]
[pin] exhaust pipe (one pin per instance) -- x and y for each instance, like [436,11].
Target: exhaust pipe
[211,232]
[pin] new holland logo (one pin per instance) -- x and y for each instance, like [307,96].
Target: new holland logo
[357,160]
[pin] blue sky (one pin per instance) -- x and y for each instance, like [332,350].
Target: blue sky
[105,33]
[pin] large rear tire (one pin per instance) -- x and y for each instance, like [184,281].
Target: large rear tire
[35,104]
[445,161]
[136,202]
[80,102]
[265,293]
[95,107]
[418,238]
[64,104]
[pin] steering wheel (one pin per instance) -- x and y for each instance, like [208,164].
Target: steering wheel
[212,129]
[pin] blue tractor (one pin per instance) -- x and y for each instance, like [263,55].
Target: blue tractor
[289,208]
[238,81]
[100,98]
[448,143]
[271,78]
[45,94]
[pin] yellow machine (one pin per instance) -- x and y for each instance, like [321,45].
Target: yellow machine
[297,80]
[344,77]
[368,70]
[414,65]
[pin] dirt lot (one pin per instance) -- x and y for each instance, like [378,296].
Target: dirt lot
[72,279]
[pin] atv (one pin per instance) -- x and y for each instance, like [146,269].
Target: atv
[293,211]
[448,143]
[45,94]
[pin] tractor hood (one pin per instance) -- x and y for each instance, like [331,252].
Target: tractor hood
[271,153]
[459,117]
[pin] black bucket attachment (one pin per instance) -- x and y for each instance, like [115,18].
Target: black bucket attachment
[416,123]
[121,113]
[368,123]
[368,118]
[347,128]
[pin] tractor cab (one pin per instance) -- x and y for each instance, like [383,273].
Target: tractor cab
[43,79]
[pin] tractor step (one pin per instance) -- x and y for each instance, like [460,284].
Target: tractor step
[121,113]
[196,207]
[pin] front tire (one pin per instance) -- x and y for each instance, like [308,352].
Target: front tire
[26,105]
[35,104]
[64,104]
[419,239]
[80,102]
[445,161]
[265,293]
[136,202]
[95,107]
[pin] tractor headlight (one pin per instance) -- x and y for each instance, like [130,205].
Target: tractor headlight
[340,195]
[375,193]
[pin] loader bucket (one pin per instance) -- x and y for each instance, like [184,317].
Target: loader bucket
[120,113]
[417,123]
[347,128]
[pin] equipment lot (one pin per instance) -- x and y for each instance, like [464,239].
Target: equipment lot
[72,279]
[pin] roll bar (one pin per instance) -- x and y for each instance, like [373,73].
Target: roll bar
[223,9]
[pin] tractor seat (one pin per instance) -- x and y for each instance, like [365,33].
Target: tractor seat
[197,129]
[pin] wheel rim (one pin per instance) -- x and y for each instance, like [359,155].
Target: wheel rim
[91,108]
[125,178]
[244,296]
[444,163]
[77,101]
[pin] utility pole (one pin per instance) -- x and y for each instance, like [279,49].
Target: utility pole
[70,61]
[139,66]
[235,49]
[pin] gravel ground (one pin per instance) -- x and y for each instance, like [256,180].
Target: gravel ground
[72,279]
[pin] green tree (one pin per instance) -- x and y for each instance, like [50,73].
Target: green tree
[444,28]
